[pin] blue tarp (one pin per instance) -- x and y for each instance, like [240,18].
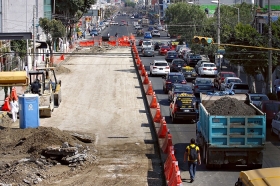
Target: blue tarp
[273,18]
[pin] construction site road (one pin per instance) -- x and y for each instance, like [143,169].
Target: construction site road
[101,95]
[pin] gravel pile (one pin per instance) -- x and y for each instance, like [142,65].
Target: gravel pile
[230,106]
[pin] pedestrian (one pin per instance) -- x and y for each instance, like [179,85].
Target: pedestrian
[108,34]
[193,155]
[116,35]
[14,109]
[92,36]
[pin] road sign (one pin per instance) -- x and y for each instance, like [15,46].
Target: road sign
[91,13]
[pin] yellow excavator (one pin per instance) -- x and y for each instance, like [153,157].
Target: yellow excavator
[42,81]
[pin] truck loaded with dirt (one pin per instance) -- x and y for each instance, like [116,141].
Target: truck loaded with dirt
[230,132]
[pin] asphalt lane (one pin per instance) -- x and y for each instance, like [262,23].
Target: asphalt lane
[183,132]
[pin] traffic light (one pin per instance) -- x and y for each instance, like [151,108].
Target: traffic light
[202,40]
[99,13]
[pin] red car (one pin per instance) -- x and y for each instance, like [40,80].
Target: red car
[140,42]
[219,79]
[270,107]
[163,50]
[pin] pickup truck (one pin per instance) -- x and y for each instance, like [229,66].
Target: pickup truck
[184,107]
[238,88]
[230,139]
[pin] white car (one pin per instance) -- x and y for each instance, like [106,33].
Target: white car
[137,27]
[229,80]
[275,125]
[159,27]
[159,67]
[114,23]
[207,69]
[155,33]
[147,44]
[132,17]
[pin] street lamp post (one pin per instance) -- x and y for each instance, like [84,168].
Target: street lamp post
[219,29]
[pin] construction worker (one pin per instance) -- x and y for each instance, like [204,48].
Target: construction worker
[14,109]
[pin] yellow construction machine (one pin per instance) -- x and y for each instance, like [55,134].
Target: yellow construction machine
[43,82]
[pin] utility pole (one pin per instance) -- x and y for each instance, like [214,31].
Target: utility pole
[34,34]
[218,32]
[269,51]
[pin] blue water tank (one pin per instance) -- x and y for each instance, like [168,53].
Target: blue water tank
[29,111]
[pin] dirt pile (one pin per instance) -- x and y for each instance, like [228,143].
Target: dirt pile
[230,106]
[61,69]
[28,154]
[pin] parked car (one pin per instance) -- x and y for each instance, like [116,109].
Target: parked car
[209,69]
[271,108]
[148,35]
[155,33]
[148,52]
[202,85]
[177,64]
[172,77]
[170,55]
[238,88]
[189,73]
[159,67]
[199,63]
[192,59]
[178,89]
[163,50]
[219,79]
[229,80]
[256,99]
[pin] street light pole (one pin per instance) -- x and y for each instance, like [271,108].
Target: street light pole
[219,33]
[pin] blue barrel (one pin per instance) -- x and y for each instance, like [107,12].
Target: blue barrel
[29,111]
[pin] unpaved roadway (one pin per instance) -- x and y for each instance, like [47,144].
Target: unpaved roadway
[101,95]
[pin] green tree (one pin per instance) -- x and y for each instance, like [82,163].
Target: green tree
[53,29]
[70,12]
[185,19]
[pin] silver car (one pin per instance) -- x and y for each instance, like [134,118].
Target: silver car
[148,52]
[202,85]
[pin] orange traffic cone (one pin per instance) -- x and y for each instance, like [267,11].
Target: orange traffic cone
[6,106]
[61,57]
[168,165]
[150,90]
[140,66]
[138,61]
[175,179]
[157,116]
[167,143]
[163,129]
[143,71]
[153,103]
[146,79]
[14,94]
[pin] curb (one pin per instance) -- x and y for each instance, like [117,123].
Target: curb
[150,113]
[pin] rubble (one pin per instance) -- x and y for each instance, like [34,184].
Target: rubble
[230,106]
[28,154]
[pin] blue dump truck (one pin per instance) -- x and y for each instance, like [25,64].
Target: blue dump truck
[231,138]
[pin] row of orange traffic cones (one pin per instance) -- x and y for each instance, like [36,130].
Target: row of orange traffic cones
[171,168]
